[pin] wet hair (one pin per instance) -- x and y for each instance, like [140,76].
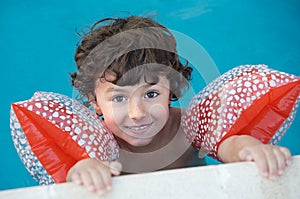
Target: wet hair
[129,48]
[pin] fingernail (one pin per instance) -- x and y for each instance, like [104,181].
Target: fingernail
[248,157]
[273,177]
[265,174]
[79,182]
[108,188]
[91,188]
[280,172]
[100,192]
[288,162]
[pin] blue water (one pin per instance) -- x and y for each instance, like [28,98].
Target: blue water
[38,41]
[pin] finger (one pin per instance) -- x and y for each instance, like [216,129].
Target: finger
[98,181]
[75,177]
[115,167]
[87,181]
[261,161]
[281,161]
[272,162]
[245,155]
[287,154]
[106,178]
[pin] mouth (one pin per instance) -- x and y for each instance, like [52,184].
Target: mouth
[139,128]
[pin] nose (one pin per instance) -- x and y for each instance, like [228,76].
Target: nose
[136,109]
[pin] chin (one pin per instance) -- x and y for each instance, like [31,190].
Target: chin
[140,142]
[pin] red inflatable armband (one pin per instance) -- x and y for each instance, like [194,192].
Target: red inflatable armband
[51,132]
[247,100]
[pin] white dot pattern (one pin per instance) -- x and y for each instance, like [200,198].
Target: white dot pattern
[30,161]
[214,110]
[83,125]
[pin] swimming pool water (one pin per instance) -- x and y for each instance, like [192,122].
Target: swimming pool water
[38,42]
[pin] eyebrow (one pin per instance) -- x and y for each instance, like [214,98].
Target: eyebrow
[111,89]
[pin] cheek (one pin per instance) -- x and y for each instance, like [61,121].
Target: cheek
[160,110]
[113,118]
[111,124]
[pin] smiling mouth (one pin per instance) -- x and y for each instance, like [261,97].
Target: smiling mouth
[139,128]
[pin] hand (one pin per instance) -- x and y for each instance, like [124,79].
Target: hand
[95,175]
[271,160]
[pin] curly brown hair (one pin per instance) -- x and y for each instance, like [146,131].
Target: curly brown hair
[136,44]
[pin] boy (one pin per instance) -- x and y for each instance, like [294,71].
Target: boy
[130,72]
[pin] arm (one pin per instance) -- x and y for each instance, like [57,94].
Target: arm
[271,160]
[94,174]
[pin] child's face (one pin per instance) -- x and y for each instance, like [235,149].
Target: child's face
[134,113]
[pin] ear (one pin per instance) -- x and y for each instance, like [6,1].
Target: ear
[94,104]
[96,107]
[170,97]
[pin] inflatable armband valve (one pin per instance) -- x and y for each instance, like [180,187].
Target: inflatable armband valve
[247,100]
[51,132]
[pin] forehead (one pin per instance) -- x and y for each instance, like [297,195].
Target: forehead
[125,75]
[105,85]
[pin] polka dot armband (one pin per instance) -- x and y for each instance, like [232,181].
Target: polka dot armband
[51,132]
[247,100]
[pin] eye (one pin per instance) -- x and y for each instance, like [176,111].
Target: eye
[151,94]
[119,98]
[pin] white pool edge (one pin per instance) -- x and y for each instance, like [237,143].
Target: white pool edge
[235,180]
